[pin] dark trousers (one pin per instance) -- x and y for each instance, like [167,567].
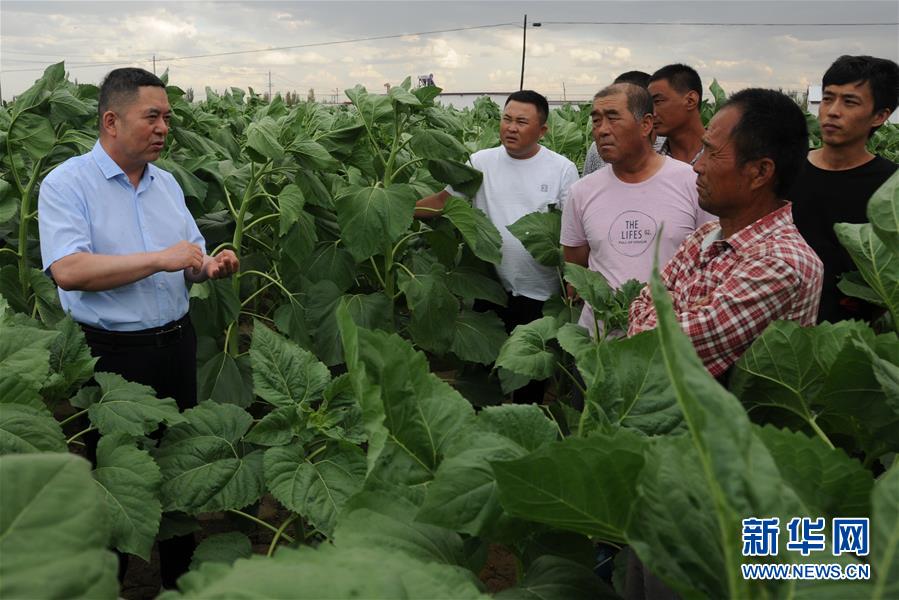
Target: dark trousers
[519,310]
[171,370]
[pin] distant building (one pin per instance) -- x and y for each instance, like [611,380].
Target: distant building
[462,100]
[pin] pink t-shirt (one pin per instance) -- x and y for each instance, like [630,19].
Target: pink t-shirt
[620,221]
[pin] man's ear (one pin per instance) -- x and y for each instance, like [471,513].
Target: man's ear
[880,117]
[108,123]
[646,125]
[761,173]
[691,100]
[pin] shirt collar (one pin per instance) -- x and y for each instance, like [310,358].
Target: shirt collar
[666,151]
[751,235]
[111,169]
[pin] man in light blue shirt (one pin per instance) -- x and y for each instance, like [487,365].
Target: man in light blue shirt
[119,241]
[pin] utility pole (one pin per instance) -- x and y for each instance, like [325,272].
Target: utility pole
[524,41]
[154,64]
[269,86]
[564,96]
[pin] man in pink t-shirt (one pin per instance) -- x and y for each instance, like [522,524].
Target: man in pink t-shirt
[613,216]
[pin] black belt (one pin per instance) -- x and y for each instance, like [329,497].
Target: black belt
[168,334]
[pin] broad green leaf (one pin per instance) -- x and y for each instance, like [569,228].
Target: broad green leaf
[25,429]
[885,535]
[9,202]
[25,351]
[312,155]
[37,94]
[290,319]
[214,306]
[367,310]
[562,136]
[330,572]
[262,138]
[373,218]
[463,495]
[226,380]
[539,233]
[427,93]
[193,186]
[478,337]
[403,96]
[373,109]
[381,520]
[826,480]
[315,487]
[129,481]
[71,363]
[432,143]
[738,475]
[464,178]
[718,94]
[46,297]
[434,309]
[224,548]
[853,285]
[53,530]
[590,285]
[548,486]
[473,285]
[276,428]
[476,229]
[527,351]
[204,468]
[64,106]
[283,373]
[129,407]
[410,414]
[557,578]
[330,262]
[291,202]
[524,424]
[32,134]
[631,388]
[878,265]
[883,213]
[15,389]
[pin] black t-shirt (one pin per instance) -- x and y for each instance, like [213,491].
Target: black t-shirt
[822,198]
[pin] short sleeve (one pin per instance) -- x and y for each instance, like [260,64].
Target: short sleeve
[63,223]
[573,234]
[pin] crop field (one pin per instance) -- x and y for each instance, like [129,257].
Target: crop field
[351,438]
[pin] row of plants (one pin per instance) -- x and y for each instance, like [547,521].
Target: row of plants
[318,388]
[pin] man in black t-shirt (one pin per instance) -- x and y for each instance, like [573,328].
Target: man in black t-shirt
[859,93]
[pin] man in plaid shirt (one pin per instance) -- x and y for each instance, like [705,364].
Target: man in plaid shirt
[731,279]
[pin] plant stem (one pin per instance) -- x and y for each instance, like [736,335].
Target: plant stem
[261,219]
[256,293]
[403,240]
[24,218]
[820,433]
[79,434]
[261,523]
[279,533]
[374,266]
[390,282]
[408,163]
[68,420]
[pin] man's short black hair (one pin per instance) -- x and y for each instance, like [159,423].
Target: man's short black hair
[531,97]
[636,77]
[771,126]
[639,102]
[681,77]
[882,74]
[122,85]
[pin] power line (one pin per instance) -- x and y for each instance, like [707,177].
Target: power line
[295,47]
[715,24]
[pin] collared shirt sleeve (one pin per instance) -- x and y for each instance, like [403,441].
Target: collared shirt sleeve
[62,221]
[724,323]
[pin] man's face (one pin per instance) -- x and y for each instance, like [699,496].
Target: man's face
[847,114]
[669,107]
[721,182]
[141,126]
[520,129]
[617,134]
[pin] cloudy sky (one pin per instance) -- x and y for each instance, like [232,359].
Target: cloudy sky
[579,45]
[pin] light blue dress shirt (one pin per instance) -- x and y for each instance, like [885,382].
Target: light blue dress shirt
[87,204]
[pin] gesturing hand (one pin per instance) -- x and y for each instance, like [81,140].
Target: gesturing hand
[180,256]
[223,264]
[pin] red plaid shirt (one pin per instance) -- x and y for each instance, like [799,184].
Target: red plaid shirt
[727,291]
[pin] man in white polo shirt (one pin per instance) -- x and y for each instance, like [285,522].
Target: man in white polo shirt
[520,177]
[613,216]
